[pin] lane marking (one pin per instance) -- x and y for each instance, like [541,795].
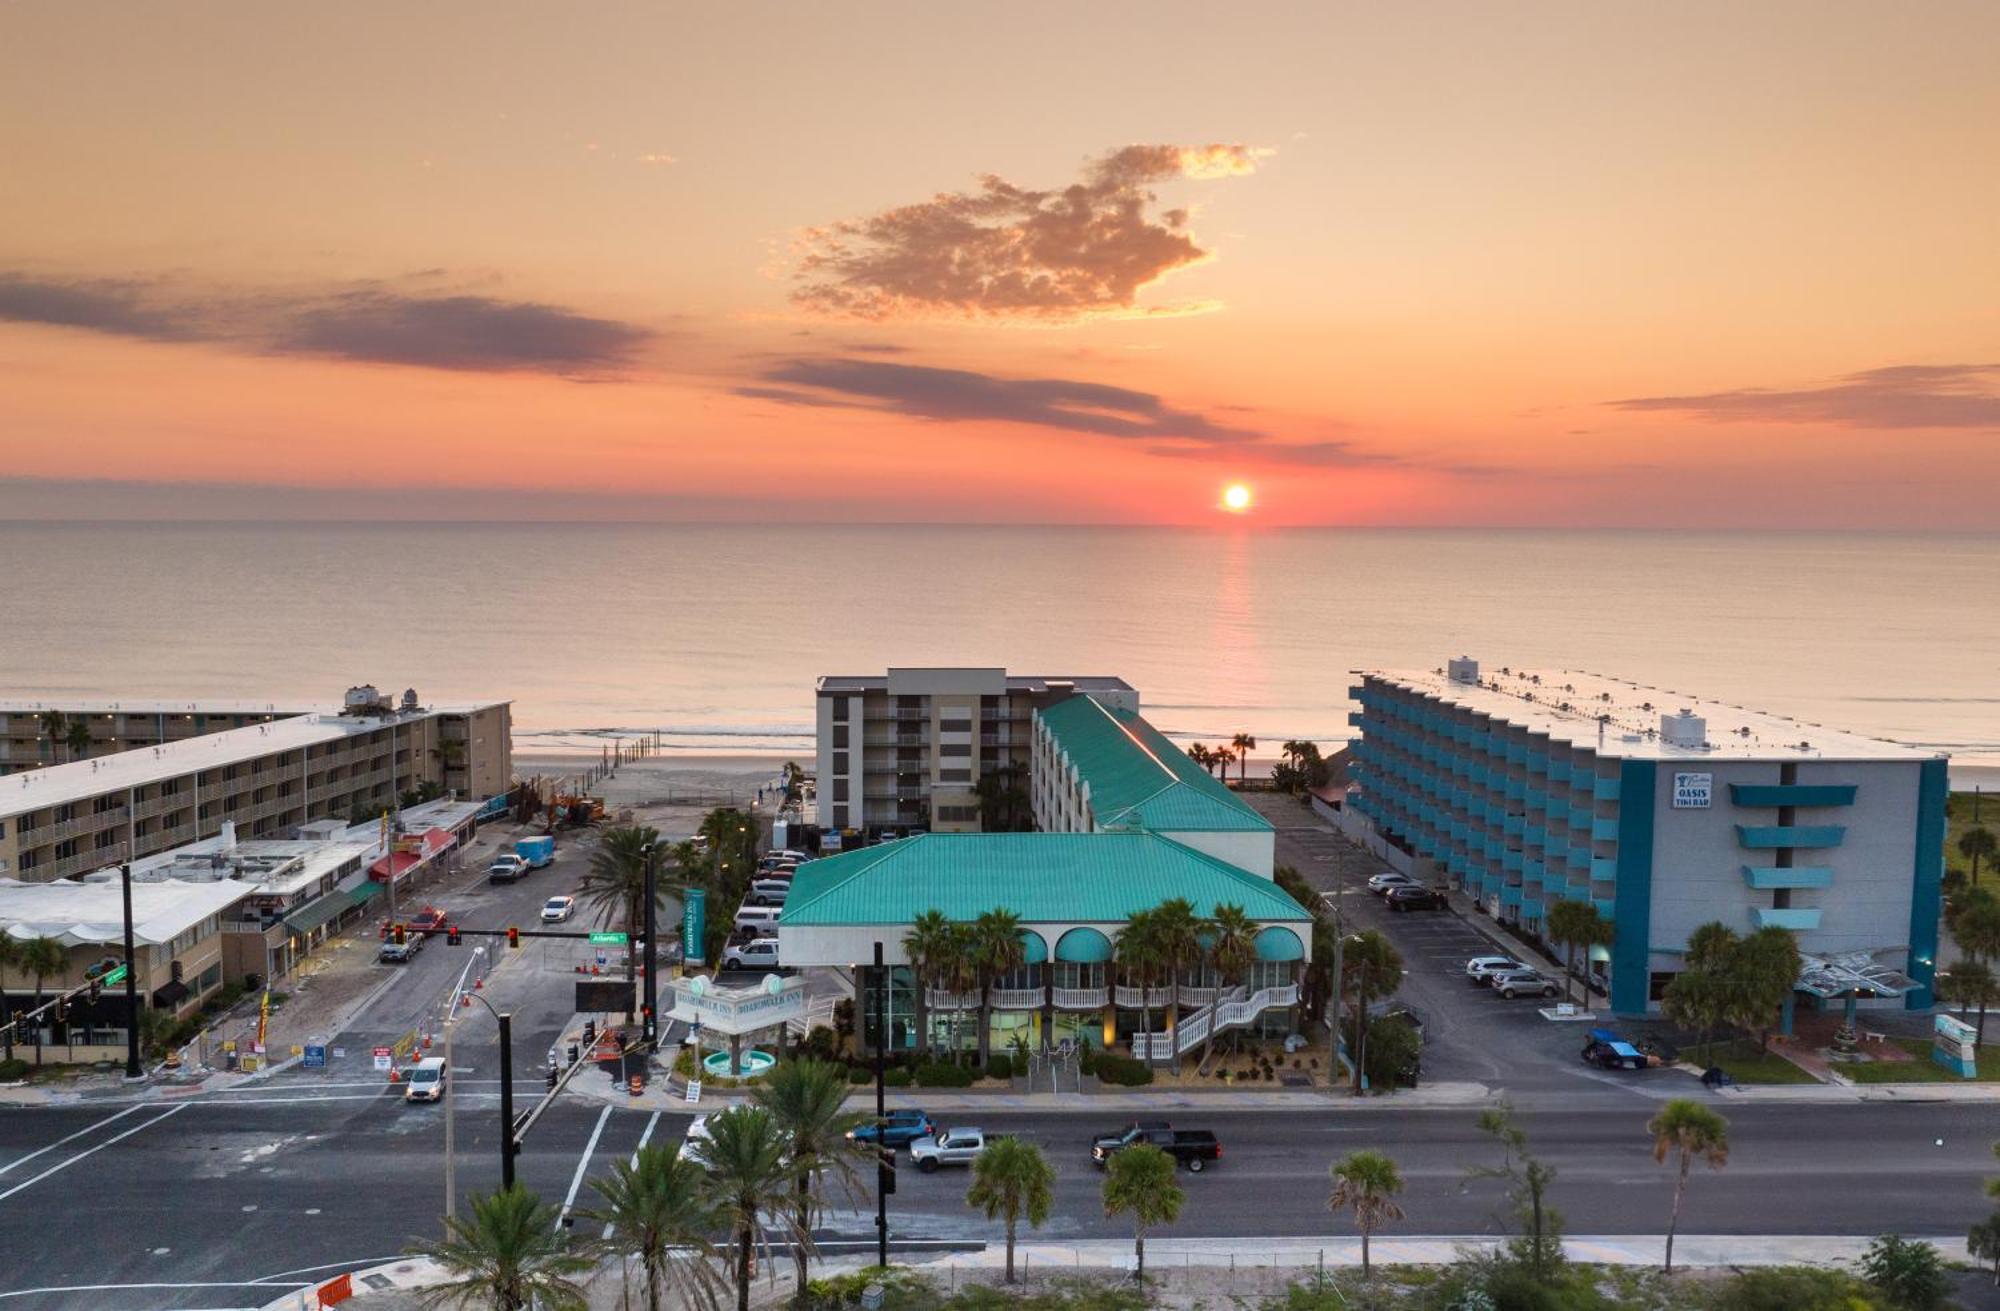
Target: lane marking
[78,1134]
[643,1138]
[583,1166]
[92,1151]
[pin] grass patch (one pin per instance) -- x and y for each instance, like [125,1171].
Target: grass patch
[1923,1069]
[1746,1064]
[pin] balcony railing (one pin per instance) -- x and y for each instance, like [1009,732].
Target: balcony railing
[943,999]
[1019,999]
[1081,999]
[1194,1029]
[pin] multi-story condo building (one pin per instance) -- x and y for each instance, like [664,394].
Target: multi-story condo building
[38,733]
[267,779]
[906,750]
[1663,810]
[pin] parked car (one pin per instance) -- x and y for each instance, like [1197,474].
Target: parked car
[1396,1012]
[507,868]
[1523,983]
[1193,1148]
[697,1138]
[762,919]
[900,1129]
[952,1147]
[1481,968]
[759,953]
[1607,1051]
[1381,883]
[557,909]
[401,953]
[1414,898]
[427,1080]
[770,885]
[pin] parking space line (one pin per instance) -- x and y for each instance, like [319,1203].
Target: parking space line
[72,1137]
[583,1166]
[92,1151]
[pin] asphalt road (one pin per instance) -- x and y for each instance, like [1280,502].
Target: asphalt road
[186,1204]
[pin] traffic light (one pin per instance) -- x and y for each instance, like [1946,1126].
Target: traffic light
[513,936]
[62,1009]
[589,1032]
[96,989]
[552,1078]
[400,935]
[574,1054]
[451,938]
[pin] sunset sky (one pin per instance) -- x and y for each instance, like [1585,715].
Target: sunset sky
[1548,264]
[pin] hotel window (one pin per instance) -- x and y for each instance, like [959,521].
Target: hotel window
[840,710]
[957,814]
[954,776]
[840,816]
[840,737]
[955,748]
[840,762]
[840,789]
[954,726]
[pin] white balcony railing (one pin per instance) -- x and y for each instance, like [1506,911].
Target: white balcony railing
[1018,999]
[1081,999]
[943,999]
[1194,1029]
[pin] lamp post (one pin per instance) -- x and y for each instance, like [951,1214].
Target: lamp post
[507,1147]
[651,1031]
[885,1179]
[132,1071]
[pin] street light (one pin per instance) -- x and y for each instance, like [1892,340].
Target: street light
[132,1071]
[507,1146]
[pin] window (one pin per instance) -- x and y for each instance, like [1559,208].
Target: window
[840,762]
[840,789]
[957,814]
[954,776]
[840,816]
[210,978]
[840,710]
[955,748]
[840,737]
[954,726]
[1656,984]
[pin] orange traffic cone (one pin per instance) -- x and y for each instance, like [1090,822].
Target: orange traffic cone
[427,1042]
[479,983]
[465,999]
[636,1086]
[393,1076]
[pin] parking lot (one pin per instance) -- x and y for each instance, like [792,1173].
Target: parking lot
[1472,1033]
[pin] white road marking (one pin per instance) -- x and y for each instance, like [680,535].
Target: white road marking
[91,1151]
[643,1139]
[583,1166]
[60,1141]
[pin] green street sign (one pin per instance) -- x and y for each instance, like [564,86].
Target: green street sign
[609,939]
[113,976]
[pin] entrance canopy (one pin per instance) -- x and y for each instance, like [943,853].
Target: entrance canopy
[1851,974]
[734,1011]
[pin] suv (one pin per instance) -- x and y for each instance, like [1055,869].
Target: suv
[1381,883]
[1523,983]
[401,953]
[952,1147]
[1481,968]
[758,953]
[1413,898]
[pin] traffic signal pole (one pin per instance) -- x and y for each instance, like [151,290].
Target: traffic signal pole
[132,1070]
[651,1032]
[506,1098]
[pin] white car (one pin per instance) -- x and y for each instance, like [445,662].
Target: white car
[557,909]
[697,1138]
[1523,982]
[759,953]
[952,1147]
[1481,968]
[1381,883]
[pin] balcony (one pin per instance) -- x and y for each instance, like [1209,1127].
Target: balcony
[1018,999]
[1788,917]
[1081,999]
[1604,830]
[1792,794]
[1765,837]
[943,999]
[1604,789]
[905,714]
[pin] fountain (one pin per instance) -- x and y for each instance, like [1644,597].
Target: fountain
[755,1062]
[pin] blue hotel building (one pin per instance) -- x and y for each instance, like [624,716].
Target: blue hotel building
[1522,788]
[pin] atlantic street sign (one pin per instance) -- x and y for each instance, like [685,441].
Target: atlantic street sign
[113,976]
[610,939]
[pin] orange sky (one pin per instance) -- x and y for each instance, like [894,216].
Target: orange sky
[1704,265]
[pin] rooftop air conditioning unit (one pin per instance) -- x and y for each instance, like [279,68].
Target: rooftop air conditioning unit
[1684,729]
[1463,669]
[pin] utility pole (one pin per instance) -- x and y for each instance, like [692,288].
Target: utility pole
[389,862]
[651,1032]
[450,1151]
[132,1071]
[885,1179]
[506,1019]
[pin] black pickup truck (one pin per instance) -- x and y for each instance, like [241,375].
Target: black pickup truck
[1193,1148]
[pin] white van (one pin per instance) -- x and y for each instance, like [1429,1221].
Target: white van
[427,1080]
[772,887]
[763,919]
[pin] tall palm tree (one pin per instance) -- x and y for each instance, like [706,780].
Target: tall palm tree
[1232,946]
[658,1209]
[1366,1183]
[42,957]
[1687,1127]
[1570,924]
[996,950]
[958,974]
[751,1174]
[615,887]
[1202,756]
[77,738]
[1139,954]
[1011,1179]
[1140,1181]
[54,725]
[1977,933]
[1221,759]
[1244,745]
[808,1099]
[928,944]
[1976,844]
[1179,932]
[510,1253]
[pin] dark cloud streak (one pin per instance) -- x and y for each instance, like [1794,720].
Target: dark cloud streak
[1900,396]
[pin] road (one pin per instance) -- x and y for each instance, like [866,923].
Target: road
[184,1202]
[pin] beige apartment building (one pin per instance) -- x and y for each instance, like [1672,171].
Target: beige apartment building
[905,750]
[266,779]
[37,733]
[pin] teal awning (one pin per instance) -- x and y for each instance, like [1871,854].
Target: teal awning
[1033,950]
[1084,947]
[365,892]
[1279,943]
[321,911]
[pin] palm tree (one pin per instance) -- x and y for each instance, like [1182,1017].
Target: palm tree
[958,974]
[42,957]
[928,945]
[807,1099]
[658,1209]
[751,1177]
[1232,946]
[1976,844]
[1222,758]
[1179,932]
[1010,1179]
[1570,924]
[1977,933]
[996,950]
[1692,1130]
[1366,1183]
[54,725]
[509,1254]
[1202,756]
[615,886]
[1244,745]
[1138,950]
[1967,984]
[1375,969]
[1140,1180]
[77,738]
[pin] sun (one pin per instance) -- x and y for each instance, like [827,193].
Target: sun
[1236,498]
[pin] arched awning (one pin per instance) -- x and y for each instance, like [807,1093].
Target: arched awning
[1084,947]
[1279,943]
[1034,950]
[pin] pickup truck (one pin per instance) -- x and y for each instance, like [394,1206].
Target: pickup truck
[952,1147]
[1193,1148]
[506,869]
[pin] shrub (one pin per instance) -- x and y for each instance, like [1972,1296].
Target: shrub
[860,1074]
[1123,1071]
[1001,1066]
[1393,1053]
[1909,1270]
[1792,1288]
[896,1079]
[1086,1060]
[13,1071]
[940,1075]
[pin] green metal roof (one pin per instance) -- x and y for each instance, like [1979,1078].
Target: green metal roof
[1045,878]
[321,910]
[1137,777]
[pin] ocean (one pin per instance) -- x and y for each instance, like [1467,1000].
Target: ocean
[712,635]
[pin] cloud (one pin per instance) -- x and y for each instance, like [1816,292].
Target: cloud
[1901,396]
[962,396]
[1318,455]
[371,322]
[1005,252]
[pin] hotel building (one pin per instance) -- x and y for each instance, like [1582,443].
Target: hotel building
[1664,810]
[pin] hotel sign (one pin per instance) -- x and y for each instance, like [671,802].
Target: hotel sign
[1693,791]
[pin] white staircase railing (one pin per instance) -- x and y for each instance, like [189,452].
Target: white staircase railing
[819,1013]
[1232,1011]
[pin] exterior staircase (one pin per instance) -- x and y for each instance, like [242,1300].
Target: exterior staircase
[1230,1010]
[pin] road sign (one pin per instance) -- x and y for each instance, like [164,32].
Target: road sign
[603,958]
[610,939]
[694,1090]
[114,976]
[384,1058]
[314,1057]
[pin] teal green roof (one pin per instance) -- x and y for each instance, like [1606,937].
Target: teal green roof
[1137,777]
[1044,878]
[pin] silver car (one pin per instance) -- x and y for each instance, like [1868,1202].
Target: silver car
[952,1147]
